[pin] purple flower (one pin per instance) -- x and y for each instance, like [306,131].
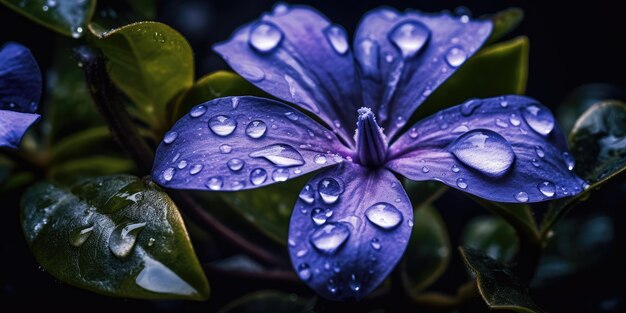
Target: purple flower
[20,89]
[353,219]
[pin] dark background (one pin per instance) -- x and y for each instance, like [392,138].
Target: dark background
[571,45]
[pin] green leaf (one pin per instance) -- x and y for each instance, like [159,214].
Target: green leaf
[428,253]
[598,144]
[151,63]
[519,216]
[98,165]
[497,283]
[495,70]
[504,22]
[211,86]
[581,99]
[491,235]
[268,301]
[114,235]
[66,17]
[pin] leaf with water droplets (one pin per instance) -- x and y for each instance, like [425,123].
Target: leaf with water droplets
[69,18]
[428,253]
[114,235]
[352,232]
[492,235]
[497,283]
[504,22]
[151,63]
[268,301]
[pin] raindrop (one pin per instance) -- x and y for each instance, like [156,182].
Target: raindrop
[319,159]
[535,163]
[366,52]
[425,169]
[237,185]
[251,73]
[265,37]
[504,104]
[292,116]
[195,169]
[79,236]
[226,148]
[170,137]
[182,164]
[280,175]
[456,56]
[331,286]
[375,243]
[410,223]
[521,196]
[222,125]
[197,111]
[455,168]
[215,183]
[569,161]
[280,154]
[460,129]
[77,32]
[337,38]
[258,176]
[515,121]
[485,151]
[330,237]
[547,188]
[400,122]
[354,284]
[304,271]
[168,174]
[409,37]
[539,151]
[235,100]
[235,164]
[307,194]
[501,123]
[151,242]
[413,133]
[469,107]
[461,183]
[539,119]
[384,215]
[123,238]
[329,190]
[302,252]
[320,216]
[280,9]
[256,129]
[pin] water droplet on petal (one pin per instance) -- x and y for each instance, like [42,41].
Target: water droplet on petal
[168,174]
[77,32]
[540,152]
[251,73]
[302,252]
[307,194]
[329,237]
[235,101]
[366,52]
[226,148]
[182,164]
[79,236]
[319,215]
[501,123]
[354,284]
[455,168]
[413,133]
[461,183]
[569,161]
[280,175]
[460,129]
[319,159]
[256,129]
[409,37]
[329,189]
[456,56]
[235,164]
[547,188]
[280,154]
[292,116]
[375,243]
[337,38]
[384,215]
[485,151]
[504,104]
[195,169]
[514,120]
[535,163]
[258,176]
[170,137]
[123,238]
[425,169]
[539,119]
[332,286]
[265,37]
[469,107]
[521,196]
[197,111]
[215,183]
[222,125]
[237,185]
[304,271]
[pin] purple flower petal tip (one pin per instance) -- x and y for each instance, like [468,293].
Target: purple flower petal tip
[13,126]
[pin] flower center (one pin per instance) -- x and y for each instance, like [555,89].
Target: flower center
[371,143]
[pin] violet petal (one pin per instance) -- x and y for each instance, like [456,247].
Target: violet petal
[20,79]
[13,125]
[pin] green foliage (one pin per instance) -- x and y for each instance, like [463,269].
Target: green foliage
[114,235]
[504,22]
[66,17]
[493,236]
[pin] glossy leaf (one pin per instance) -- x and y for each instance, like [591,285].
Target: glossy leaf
[114,235]
[497,283]
[151,63]
[428,253]
[268,301]
[66,17]
[581,99]
[598,144]
[504,22]
[214,85]
[491,235]
[495,70]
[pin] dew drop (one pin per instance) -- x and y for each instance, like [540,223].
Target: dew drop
[123,238]
[469,107]
[329,189]
[320,215]
[539,119]
[514,120]
[485,151]
[455,168]
[547,188]
[226,148]
[413,133]
[354,284]
[304,271]
[366,52]
[540,152]
[375,243]
[158,278]
[258,176]
[222,125]
[168,174]
[250,73]
[569,161]
[215,183]
[235,100]
[535,162]
[280,154]
[329,237]
[461,183]
[170,137]
[307,194]
[302,252]
[197,111]
[456,56]
[501,123]
[280,175]
[182,164]
[332,286]
[237,185]
[384,215]
[337,38]
[265,37]
[292,116]
[320,159]
[195,169]
[409,37]
[504,104]
[256,129]
[77,32]
[425,169]
[460,129]
[235,164]
[521,196]
[79,236]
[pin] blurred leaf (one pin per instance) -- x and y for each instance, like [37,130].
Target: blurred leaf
[491,235]
[598,144]
[151,63]
[147,8]
[66,17]
[428,253]
[16,180]
[423,192]
[583,97]
[211,86]
[495,70]
[519,216]
[117,13]
[270,209]
[504,22]
[497,284]
[98,165]
[113,235]
[268,301]
[84,143]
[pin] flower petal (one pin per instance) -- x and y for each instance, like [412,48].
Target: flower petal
[297,55]
[20,79]
[349,228]
[237,143]
[13,125]
[403,57]
[506,149]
